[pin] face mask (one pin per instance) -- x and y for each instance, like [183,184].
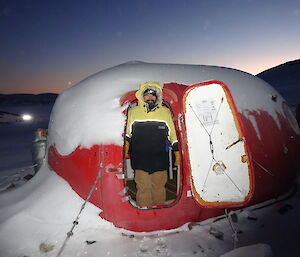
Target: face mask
[151,104]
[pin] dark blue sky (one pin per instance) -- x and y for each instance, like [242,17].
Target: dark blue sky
[49,45]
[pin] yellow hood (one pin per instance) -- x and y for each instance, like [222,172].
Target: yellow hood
[152,85]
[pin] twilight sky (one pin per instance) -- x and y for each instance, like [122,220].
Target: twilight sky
[50,45]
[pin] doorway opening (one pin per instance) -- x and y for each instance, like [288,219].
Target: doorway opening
[173,184]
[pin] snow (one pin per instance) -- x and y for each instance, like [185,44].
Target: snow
[36,215]
[251,117]
[95,100]
[16,138]
[260,250]
[35,219]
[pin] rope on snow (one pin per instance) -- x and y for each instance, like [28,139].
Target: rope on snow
[22,168]
[76,221]
[234,230]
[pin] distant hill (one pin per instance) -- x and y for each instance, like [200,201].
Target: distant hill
[8,117]
[285,78]
[21,99]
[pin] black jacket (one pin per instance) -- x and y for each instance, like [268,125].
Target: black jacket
[150,133]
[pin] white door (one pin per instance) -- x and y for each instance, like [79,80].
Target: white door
[220,170]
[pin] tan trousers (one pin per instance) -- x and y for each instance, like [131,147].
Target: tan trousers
[150,187]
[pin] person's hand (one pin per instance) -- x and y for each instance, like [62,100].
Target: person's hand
[177,158]
[126,150]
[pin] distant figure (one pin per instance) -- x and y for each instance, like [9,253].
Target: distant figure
[149,133]
[38,148]
[298,114]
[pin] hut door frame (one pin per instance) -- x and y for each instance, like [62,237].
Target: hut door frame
[218,156]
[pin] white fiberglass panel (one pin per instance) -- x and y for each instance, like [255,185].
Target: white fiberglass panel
[218,160]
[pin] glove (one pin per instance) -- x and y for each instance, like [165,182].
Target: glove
[126,150]
[177,158]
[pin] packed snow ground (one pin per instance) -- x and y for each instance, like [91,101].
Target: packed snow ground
[36,215]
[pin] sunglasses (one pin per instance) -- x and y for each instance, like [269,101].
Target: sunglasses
[149,92]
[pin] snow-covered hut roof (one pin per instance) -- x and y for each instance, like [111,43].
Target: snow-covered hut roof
[90,113]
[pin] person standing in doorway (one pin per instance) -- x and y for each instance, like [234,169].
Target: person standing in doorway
[150,132]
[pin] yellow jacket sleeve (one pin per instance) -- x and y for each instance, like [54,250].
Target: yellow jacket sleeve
[177,158]
[128,124]
[173,137]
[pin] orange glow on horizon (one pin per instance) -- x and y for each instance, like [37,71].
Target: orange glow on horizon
[32,90]
[33,86]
